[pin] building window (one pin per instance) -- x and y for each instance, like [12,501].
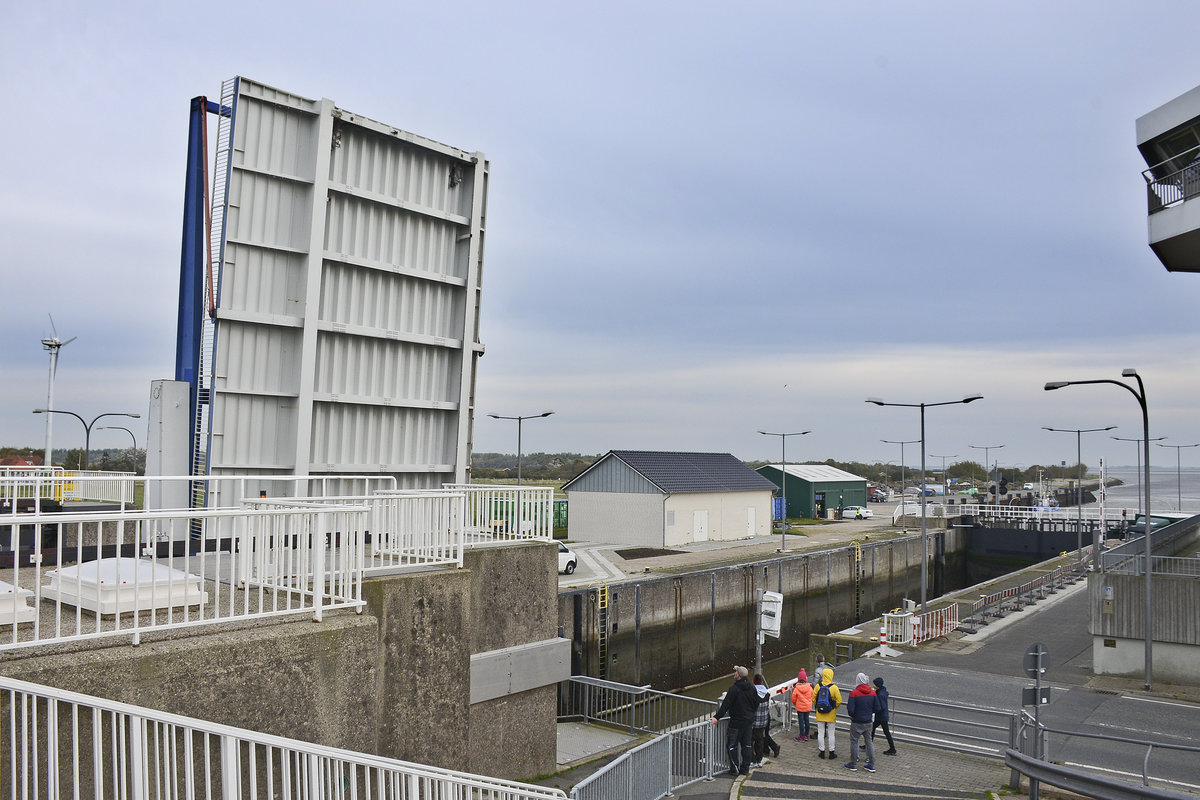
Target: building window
[670,518]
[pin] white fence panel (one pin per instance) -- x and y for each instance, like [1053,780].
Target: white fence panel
[57,744]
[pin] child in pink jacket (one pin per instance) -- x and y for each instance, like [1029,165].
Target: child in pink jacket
[802,697]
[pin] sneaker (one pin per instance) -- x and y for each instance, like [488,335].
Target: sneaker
[851,765]
[833,754]
[891,752]
[869,767]
[755,764]
[821,754]
[800,738]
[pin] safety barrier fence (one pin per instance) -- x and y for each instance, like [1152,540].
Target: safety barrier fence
[908,628]
[73,576]
[1130,557]
[1037,754]
[1014,598]
[56,744]
[499,513]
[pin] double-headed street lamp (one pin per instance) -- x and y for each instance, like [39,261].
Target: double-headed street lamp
[519,421]
[783,480]
[1179,472]
[1079,489]
[87,426]
[945,480]
[924,539]
[987,448]
[1140,394]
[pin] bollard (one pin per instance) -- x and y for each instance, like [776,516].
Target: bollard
[883,634]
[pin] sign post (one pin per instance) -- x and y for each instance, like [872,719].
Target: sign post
[1037,660]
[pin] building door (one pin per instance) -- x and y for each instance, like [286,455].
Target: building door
[819,505]
[700,526]
[750,521]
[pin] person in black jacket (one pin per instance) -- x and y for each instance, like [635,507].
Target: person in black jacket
[882,716]
[740,702]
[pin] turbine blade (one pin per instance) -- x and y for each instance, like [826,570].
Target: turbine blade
[68,341]
[48,314]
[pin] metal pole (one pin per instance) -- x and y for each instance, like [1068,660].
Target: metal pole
[758,635]
[924,543]
[1179,472]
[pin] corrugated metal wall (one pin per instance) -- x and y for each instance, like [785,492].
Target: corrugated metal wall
[348,309]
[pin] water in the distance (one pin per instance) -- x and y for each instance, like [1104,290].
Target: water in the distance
[1168,490]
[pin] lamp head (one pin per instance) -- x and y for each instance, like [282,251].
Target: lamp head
[876,400]
[1052,385]
[545,413]
[39,411]
[1129,372]
[972,398]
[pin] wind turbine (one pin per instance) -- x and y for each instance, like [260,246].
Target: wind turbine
[53,344]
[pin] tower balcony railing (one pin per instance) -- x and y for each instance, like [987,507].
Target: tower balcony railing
[1168,184]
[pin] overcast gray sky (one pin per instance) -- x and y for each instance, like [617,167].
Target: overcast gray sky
[703,219]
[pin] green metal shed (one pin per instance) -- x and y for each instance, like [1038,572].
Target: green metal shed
[814,489]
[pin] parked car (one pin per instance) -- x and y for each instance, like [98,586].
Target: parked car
[857,512]
[1028,487]
[566,559]
[878,497]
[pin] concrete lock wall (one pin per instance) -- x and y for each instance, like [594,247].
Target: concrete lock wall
[394,681]
[675,631]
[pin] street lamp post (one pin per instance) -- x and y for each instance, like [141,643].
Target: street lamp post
[1179,472]
[119,428]
[945,481]
[783,481]
[924,532]
[1140,395]
[986,448]
[1079,489]
[519,420]
[87,426]
[903,518]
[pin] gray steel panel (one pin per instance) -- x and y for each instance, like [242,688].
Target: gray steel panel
[348,296]
[613,475]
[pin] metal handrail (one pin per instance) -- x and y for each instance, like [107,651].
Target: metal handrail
[66,744]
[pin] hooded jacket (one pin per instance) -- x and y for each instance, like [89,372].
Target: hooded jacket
[802,694]
[740,702]
[762,715]
[882,713]
[861,705]
[835,696]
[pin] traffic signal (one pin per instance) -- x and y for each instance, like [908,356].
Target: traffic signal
[1004,486]
[772,611]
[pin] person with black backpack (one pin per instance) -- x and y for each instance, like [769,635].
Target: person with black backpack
[825,702]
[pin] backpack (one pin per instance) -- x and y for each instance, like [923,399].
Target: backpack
[823,702]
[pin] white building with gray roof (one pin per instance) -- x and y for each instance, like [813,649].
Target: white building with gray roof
[653,498]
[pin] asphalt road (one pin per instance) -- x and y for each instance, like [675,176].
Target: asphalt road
[986,671]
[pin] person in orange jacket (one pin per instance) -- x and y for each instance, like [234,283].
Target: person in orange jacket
[802,702]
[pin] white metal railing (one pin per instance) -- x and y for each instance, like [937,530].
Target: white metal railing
[661,766]
[500,513]
[405,527]
[58,744]
[172,491]
[73,576]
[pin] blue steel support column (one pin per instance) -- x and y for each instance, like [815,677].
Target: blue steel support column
[191,259]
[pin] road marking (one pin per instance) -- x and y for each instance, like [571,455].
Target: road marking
[1125,774]
[1174,704]
[601,566]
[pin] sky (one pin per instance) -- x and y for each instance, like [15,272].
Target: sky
[704,220]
